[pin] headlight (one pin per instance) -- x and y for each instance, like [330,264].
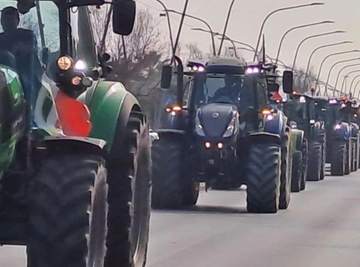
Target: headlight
[337,127]
[64,63]
[199,128]
[231,128]
[312,121]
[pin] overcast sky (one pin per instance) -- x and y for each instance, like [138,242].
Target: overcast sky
[247,17]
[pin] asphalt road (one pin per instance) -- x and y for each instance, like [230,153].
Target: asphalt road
[320,229]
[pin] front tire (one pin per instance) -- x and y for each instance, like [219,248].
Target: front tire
[68,211]
[129,182]
[338,158]
[263,178]
[172,188]
[285,185]
[296,172]
[314,162]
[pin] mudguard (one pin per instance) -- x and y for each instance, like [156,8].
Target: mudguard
[264,137]
[343,133]
[178,134]
[354,130]
[317,132]
[277,124]
[110,105]
[298,136]
[71,144]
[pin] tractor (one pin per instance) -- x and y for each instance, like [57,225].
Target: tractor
[75,172]
[223,133]
[300,108]
[300,153]
[342,135]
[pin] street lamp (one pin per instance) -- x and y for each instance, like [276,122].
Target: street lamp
[356,85]
[334,65]
[318,48]
[216,34]
[352,82]
[168,22]
[276,11]
[345,77]
[295,28]
[345,67]
[203,21]
[226,25]
[328,56]
[311,37]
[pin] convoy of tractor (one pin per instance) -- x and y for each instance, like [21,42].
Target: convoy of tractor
[80,167]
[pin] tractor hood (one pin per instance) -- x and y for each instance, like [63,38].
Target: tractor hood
[215,118]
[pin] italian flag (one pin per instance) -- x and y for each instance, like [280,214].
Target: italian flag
[59,114]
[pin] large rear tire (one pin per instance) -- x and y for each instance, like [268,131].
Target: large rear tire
[286,171]
[338,158]
[129,182]
[305,154]
[263,178]
[314,162]
[172,188]
[297,167]
[348,158]
[68,211]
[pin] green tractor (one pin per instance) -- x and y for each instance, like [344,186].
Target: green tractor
[75,151]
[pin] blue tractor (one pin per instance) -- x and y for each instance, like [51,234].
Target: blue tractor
[222,131]
[301,110]
[342,133]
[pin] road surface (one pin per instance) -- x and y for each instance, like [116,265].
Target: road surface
[321,229]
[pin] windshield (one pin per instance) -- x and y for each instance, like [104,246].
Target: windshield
[231,89]
[297,111]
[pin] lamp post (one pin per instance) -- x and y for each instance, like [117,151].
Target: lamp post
[356,85]
[295,28]
[346,76]
[352,82]
[168,22]
[203,21]
[345,67]
[276,11]
[226,25]
[316,49]
[311,37]
[331,55]
[334,65]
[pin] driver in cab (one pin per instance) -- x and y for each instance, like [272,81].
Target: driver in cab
[13,39]
[230,90]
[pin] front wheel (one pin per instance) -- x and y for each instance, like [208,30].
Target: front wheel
[314,161]
[296,172]
[68,211]
[263,178]
[338,158]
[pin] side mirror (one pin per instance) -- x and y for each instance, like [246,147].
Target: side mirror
[288,81]
[124,13]
[274,87]
[166,75]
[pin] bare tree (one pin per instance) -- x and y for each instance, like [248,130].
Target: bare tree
[300,77]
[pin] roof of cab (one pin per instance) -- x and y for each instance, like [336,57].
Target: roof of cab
[225,61]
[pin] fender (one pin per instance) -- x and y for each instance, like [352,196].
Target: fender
[299,138]
[343,133]
[354,130]
[316,132]
[110,105]
[264,137]
[277,124]
[164,133]
[70,144]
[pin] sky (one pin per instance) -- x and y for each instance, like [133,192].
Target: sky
[247,17]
